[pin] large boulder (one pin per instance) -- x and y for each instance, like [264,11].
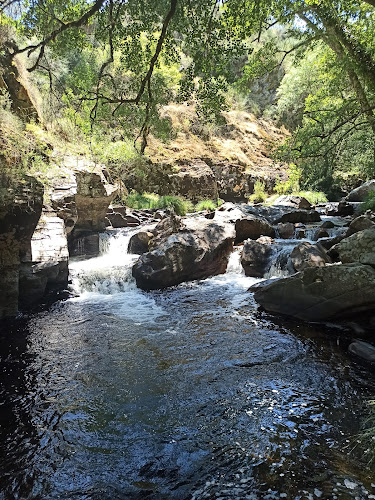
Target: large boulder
[307,255]
[292,201]
[359,247]
[20,209]
[255,258]
[253,227]
[360,193]
[359,224]
[139,242]
[321,293]
[286,230]
[197,249]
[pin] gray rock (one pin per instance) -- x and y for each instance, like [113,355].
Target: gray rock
[255,258]
[293,201]
[139,243]
[321,293]
[286,230]
[360,193]
[253,227]
[307,255]
[363,350]
[359,224]
[320,233]
[198,248]
[327,224]
[359,247]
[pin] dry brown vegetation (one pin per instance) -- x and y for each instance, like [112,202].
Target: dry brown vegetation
[242,140]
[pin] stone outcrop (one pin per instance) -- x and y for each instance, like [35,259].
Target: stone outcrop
[46,269]
[358,247]
[286,230]
[93,197]
[197,249]
[194,181]
[255,258]
[307,255]
[321,293]
[20,208]
[360,193]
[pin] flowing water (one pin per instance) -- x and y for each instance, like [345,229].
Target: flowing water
[187,393]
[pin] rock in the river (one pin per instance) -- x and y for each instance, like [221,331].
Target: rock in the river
[255,258]
[321,293]
[93,197]
[360,193]
[286,230]
[139,243]
[307,255]
[359,224]
[359,247]
[363,350]
[320,233]
[253,227]
[293,201]
[197,249]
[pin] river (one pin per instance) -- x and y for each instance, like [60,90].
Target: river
[187,393]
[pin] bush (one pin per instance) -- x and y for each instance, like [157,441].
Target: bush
[259,195]
[291,185]
[314,197]
[206,205]
[140,201]
[369,203]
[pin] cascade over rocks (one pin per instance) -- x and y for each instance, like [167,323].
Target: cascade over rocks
[307,255]
[186,250]
[321,293]
[276,214]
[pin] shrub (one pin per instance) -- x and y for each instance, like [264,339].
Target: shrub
[140,201]
[292,184]
[259,195]
[206,205]
[314,197]
[369,203]
[175,203]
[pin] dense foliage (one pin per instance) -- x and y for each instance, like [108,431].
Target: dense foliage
[108,66]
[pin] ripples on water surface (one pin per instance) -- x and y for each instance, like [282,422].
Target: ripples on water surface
[187,393]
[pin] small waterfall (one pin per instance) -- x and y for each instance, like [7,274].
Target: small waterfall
[110,272]
[281,252]
[234,262]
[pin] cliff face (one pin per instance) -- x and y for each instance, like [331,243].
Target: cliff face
[20,210]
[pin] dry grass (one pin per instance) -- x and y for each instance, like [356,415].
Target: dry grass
[242,140]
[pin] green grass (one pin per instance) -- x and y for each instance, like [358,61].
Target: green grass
[208,205]
[259,195]
[139,201]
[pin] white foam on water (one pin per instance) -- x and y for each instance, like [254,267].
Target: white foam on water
[107,281]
